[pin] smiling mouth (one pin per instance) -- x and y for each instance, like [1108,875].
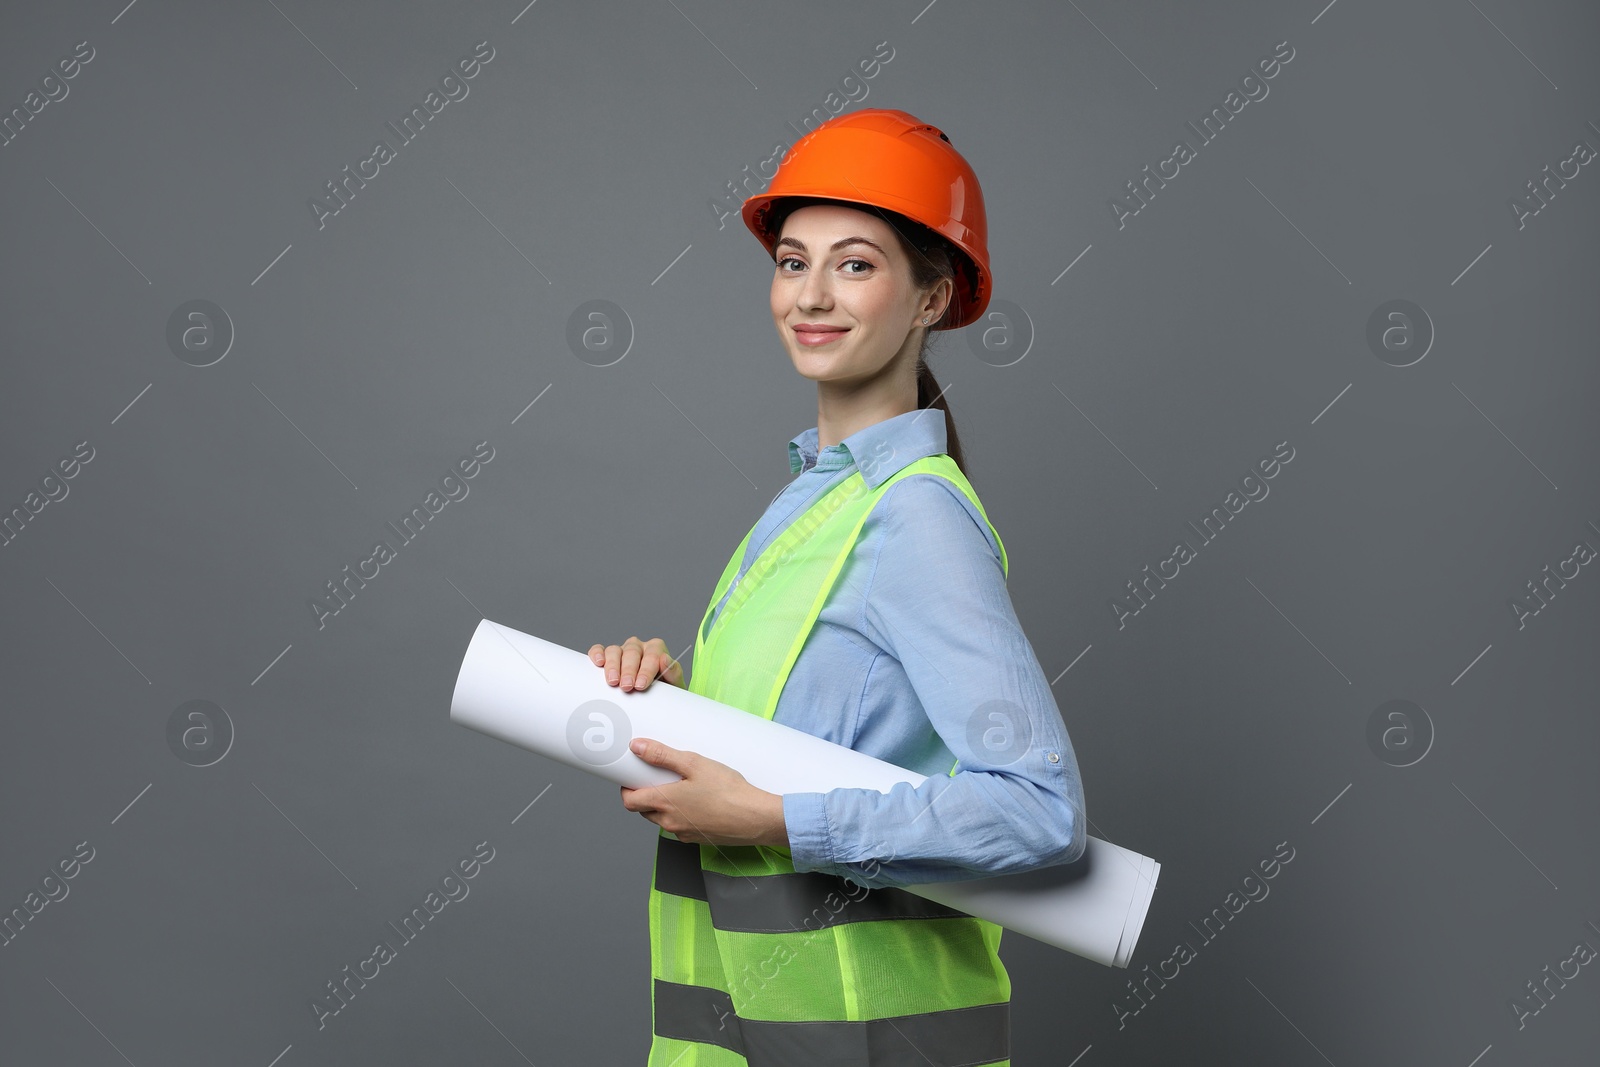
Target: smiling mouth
[818,337]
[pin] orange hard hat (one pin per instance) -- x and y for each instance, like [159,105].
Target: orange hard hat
[886,158]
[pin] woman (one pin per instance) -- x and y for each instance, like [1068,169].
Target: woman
[867,606]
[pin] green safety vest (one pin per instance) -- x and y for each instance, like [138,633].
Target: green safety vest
[753,963]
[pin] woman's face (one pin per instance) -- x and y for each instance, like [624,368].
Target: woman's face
[843,299]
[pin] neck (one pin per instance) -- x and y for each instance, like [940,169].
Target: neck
[840,414]
[845,407]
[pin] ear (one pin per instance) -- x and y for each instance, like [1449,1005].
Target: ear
[939,298]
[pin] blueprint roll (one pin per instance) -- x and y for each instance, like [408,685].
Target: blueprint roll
[553,700]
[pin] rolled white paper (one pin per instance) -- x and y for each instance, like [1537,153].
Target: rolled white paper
[555,701]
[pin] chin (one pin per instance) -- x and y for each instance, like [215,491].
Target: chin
[811,374]
[815,365]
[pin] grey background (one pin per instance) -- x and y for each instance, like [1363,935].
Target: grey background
[1228,315]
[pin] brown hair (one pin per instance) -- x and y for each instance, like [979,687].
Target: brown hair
[932,258]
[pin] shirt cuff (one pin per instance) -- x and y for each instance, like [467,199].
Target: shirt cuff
[806,819]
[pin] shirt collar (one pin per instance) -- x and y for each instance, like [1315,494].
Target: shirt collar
[879,450]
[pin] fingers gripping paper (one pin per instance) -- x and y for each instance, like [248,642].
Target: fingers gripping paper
[554,701]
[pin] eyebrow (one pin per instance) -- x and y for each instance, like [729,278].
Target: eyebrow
[841,243]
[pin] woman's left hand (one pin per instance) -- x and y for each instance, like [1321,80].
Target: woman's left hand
[712,804]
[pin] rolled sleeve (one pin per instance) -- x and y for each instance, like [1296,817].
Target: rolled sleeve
[937,604]
[810,844]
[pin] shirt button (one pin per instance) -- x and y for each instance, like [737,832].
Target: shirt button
[1052,757]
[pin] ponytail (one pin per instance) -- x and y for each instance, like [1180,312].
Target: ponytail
[930,395]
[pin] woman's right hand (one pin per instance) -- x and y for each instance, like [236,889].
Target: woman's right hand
[634,664]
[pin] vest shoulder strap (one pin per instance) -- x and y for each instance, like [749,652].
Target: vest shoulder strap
[749,668]
[945,467]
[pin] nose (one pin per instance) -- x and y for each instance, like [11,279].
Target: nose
[814,292]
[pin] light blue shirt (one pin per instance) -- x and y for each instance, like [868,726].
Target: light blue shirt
[918,659]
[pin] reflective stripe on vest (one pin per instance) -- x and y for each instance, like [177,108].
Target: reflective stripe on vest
[754,964]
